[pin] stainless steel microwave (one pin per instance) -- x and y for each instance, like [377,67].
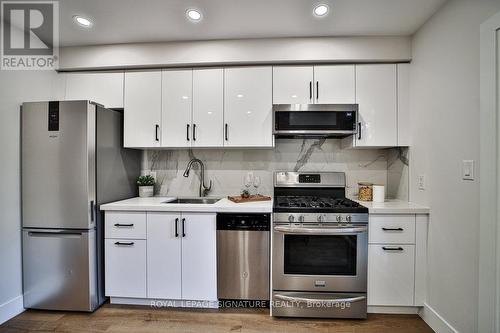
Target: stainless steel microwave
[315,120]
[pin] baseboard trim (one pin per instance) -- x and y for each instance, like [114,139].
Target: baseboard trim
[393,309]
[435,321]
[165,303]
[10,309]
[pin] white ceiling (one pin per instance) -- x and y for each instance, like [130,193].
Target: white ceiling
[129,21]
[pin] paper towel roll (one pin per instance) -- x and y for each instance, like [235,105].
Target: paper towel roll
[378,193]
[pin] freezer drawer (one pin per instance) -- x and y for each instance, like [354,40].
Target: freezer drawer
[59,269]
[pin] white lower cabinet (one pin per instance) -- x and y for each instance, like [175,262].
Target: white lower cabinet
[199,257]
[397,257]
[164,255]
[391,274]
[176,261]
[125,268]
[182,262]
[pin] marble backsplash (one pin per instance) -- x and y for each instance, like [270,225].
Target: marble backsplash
[227,168]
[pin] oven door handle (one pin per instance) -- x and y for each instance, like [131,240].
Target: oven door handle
[320,231]
[322,301]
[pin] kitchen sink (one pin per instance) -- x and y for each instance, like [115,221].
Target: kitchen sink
[206,201]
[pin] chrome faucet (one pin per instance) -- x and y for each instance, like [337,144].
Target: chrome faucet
[203,189]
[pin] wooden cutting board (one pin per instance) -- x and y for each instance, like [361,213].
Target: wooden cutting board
[252,198]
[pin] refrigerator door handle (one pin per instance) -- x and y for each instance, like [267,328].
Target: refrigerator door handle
[55,233]
[92,210]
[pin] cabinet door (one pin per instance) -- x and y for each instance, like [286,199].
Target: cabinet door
[334,84]
[177,102]
[164,255]
[248,107]
[102,88]
[293,84]
[403,105]
[142,109]
[376,96]
[199,257]
[125,268]
[208,107]
[391,274]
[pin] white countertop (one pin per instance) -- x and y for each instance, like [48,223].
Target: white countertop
[394,207]
[157,204]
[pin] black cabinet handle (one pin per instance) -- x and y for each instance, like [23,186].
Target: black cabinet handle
[187,132]
[194,132]
[225,132]
[392,229]
[359,131]
[177,227]
[92,210]
[157,127]
[399,248]
[120,225]
[124,243]
[310,90]
[317,90]
[183,228]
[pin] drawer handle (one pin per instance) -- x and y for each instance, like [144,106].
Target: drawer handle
[399,248]
[120,225]
[392,229]
[124,243]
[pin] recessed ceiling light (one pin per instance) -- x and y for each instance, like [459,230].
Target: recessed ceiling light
[193,14]
[321,10]
[82,21]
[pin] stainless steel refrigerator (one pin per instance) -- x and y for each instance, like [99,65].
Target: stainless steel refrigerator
[72,162]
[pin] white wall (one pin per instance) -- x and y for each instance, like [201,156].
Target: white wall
[245,51]
[15,87]
[444,88]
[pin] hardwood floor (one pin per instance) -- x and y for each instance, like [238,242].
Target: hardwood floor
[129,319]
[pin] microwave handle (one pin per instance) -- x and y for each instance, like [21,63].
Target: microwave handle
[320,231]
[359,130]
[322,301]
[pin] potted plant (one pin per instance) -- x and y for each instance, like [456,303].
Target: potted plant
[146,186]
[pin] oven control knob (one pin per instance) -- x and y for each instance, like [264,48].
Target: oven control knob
[339,218]
[291,218]
[321,218]
[301,218]
[348,218]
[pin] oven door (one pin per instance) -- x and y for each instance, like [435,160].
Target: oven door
[315,120]
[318,258]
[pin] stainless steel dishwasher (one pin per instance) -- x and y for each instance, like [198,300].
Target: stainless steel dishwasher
[243,256]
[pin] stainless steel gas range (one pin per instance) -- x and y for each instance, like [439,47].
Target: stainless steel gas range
[319,247]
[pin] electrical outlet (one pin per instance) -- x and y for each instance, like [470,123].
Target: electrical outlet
[153,174]
[421,182]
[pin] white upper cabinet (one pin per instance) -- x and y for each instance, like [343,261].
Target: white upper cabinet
[208,108]
[199,256]
[177,101]
[164,255]
[293,84]
[403,105]
[376,95]
[142,109]
[248,107]
[102,88]
[334,84]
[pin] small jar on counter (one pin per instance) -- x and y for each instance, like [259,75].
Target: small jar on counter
[365,191]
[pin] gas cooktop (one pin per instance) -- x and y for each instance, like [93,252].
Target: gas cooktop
[317,204]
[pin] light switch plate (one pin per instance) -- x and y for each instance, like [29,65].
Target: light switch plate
[421,182]
[468,169]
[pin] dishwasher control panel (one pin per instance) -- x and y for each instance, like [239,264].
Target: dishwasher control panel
[257,222]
